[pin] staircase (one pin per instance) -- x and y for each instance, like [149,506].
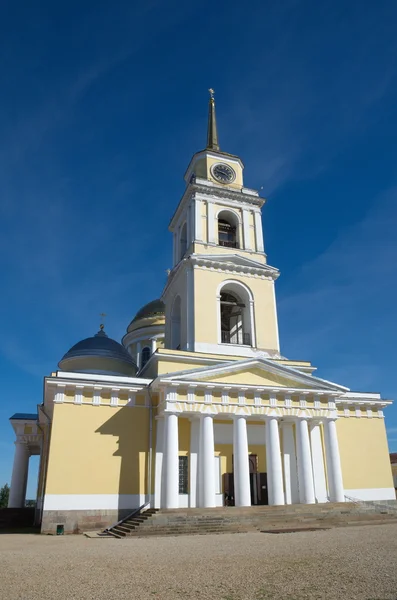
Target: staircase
[268,519]
[129,524]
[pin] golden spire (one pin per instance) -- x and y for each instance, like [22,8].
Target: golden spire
[212,133]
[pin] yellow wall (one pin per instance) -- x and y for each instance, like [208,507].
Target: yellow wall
[255,376]
[98,450]
[364,453]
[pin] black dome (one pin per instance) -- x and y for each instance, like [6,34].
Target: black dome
[99,346]
[151,309]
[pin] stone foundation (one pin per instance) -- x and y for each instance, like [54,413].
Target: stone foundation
[78,521]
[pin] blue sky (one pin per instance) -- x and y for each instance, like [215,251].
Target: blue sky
[102,106]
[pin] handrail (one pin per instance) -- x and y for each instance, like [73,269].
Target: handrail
[134,512]
[374,503]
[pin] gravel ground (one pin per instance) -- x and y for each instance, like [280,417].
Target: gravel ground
[342,564]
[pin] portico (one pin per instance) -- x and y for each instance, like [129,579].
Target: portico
[296,429]
[28,443]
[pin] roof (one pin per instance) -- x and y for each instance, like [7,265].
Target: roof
[99,346]
[151,309]
[24,417]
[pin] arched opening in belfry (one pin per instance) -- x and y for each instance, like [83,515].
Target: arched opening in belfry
[235,316]
[176,324]
[228,229]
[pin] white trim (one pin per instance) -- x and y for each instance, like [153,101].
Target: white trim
[198,225]
[231,210]
[246,229]
[193,460]
[211,222]
[103,378]
[276,316]
[372,494]
[93,501]
[258,231]
[158,468]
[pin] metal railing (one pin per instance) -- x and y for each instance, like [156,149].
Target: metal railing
[228,244]
[240,338]
[376,504]
[131,514]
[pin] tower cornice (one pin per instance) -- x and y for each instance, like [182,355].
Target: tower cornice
[208,189]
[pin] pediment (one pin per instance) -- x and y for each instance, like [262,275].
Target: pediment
[255,372]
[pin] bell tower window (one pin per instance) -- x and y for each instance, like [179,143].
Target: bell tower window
[228,230]
[235,326]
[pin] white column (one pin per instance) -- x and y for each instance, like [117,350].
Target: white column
[189,225]
[19,476]
[305,473]
[207,462]
[253,324]
[154,345]
[242,488]
[246,229]
[289,464]
[198,220]
[258,232]
[334,469]
[138,354]
[273,460]
[194,453]
[212,234]
[171,462]
[320,485]
[158,467]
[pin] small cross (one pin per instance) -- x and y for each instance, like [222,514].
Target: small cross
[102,315]
[212,92]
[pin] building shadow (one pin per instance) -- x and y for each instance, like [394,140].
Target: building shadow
[130,425]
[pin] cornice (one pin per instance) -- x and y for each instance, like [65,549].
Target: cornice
[208,189]
[230,268]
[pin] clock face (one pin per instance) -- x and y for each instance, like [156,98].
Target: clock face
[223,173]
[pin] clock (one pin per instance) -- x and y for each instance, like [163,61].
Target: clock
[223,173]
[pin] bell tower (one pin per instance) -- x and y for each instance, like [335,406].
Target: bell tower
[219,297]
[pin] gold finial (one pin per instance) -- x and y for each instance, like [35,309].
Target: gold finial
[102,326]
[212,132]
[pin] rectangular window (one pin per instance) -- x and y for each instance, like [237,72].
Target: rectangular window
[183,475]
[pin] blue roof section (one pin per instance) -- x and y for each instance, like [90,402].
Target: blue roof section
[24,416]
[100,345]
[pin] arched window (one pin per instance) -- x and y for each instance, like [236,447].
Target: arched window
[228,229]
[235,315]
[183,241]
[176,324]
[146,354]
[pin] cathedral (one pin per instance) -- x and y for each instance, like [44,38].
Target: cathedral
[197,406]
